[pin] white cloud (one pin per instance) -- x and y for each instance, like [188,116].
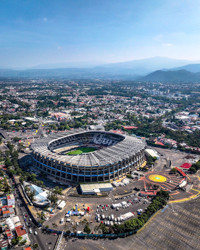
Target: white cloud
[45,19]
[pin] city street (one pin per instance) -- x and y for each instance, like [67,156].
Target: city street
[41,239]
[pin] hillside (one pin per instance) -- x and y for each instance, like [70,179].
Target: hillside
[128,70]
[195,68]
[170,76]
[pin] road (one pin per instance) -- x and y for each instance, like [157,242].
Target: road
[41,239]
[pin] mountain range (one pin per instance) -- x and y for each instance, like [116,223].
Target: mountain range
[149,69]
[190,67]
[172,76]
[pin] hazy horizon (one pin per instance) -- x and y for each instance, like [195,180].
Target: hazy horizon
[98,32]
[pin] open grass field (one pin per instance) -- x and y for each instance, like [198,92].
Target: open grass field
[81,150]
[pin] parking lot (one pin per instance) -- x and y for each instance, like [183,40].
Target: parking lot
[128,189]
[175,156]
[100,211]
[177,227]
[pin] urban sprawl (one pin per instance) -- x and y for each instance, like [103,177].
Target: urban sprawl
[94,159]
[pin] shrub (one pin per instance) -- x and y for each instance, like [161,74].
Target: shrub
[87,229]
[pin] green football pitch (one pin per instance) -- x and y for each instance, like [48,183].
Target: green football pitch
[81,150]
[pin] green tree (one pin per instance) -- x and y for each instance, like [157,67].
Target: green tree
[16,139]
[57,190]
[35,246]
[1,172]
[52,197]
[14,154]
[173,171]
[8,162]
[193,170]
[22,243]
[87,229]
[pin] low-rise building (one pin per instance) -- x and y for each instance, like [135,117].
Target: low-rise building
[21,232]
[152,153]
[96,188]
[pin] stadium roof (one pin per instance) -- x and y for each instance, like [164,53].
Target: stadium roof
[127,146]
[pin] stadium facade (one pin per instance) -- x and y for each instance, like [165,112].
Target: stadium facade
[112,157]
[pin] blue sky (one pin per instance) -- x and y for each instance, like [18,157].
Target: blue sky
[34,32]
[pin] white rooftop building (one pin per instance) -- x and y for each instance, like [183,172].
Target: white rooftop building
[152,153]
[96,188]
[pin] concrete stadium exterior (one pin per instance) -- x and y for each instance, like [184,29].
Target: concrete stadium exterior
[115,155]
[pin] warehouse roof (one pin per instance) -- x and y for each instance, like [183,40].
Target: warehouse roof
[98,186]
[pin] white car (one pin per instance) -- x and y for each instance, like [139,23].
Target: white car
[30,231]
[35,233]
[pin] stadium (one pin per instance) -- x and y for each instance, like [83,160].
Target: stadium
[87,156]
